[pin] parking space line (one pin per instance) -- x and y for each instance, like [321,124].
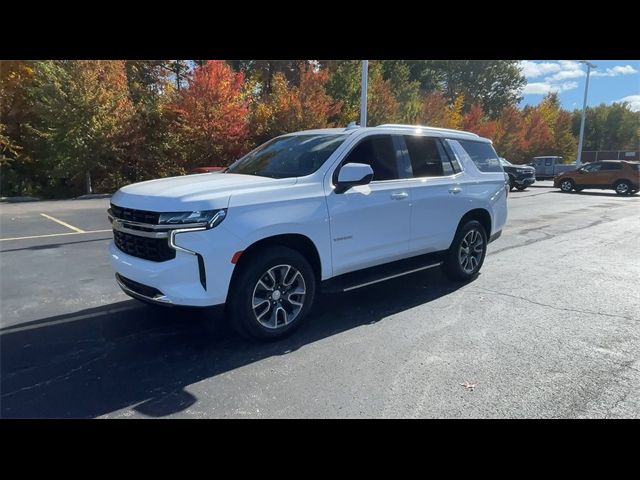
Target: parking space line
[54,235]
[64,224]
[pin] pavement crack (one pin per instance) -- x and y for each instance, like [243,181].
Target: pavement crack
[564,309]
[63,376]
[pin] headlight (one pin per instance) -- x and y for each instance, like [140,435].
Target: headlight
[208,218]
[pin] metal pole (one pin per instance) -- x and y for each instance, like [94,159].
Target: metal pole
[363,93]
[584,111]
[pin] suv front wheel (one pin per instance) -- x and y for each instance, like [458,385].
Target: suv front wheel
[272,294]
[467,251]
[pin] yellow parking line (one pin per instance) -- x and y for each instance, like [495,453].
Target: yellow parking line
[53,235]
[64,224]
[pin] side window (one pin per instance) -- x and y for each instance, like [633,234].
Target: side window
[379,152]
[452,158]
[592,167]
[482,154]
[548,162]
[611,166]
[428,158]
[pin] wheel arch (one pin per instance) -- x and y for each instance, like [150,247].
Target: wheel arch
[296,241]
[482,215]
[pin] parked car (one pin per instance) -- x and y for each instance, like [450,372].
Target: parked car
[619,175]
[547,168]
[520,176]
[337,209]
[205,170]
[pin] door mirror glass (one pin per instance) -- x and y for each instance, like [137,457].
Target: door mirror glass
[353,174]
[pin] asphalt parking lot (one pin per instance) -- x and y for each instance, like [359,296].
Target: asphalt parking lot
[550,329]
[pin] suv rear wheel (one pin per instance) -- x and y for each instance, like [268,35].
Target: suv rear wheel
[467,251]
[272,294]
[622,187]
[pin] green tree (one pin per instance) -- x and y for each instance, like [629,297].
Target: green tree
[81,109]
[608,127]
[492,84]
[344,87]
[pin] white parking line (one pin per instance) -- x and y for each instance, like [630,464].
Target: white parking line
[54,235]
[64,224]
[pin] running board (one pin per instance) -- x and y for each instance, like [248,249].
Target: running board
[381,273]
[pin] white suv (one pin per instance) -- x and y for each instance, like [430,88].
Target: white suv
[335,209]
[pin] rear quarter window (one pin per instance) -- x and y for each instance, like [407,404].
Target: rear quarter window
[481,154]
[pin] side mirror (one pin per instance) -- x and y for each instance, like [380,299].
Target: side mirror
[353,174]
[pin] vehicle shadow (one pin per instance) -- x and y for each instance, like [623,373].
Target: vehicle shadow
[130,355]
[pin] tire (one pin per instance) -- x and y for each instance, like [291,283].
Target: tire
[520,189]
[622,187]
[512,183]
[459,267]
[567,185]
[272,271]
[578,189]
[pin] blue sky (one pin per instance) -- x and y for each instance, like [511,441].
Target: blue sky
[613,80]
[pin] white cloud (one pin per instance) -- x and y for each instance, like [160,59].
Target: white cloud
[533,70]
[633,101]
[615,71]
[556,74]
[542,88]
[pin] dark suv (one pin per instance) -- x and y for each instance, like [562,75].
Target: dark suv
[619,175]
[520,176]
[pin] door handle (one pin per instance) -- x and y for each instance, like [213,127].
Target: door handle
[455,190]
[399,195]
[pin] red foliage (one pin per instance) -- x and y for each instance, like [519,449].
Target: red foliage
[213,113]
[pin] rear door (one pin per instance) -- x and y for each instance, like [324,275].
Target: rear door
[435,187]
[610,172]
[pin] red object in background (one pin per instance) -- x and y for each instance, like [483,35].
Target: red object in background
[205,170]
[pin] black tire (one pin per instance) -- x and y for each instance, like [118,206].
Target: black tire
[453,264]
[578,189]
[239,308]
[512,183]
[622,187]
[521,188]
[566,185]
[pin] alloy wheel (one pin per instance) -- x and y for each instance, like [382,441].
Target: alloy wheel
[278,296]
[471,251]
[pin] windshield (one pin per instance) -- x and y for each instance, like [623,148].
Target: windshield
[289,156]
[505,163]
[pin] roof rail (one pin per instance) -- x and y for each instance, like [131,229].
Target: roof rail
[437,129]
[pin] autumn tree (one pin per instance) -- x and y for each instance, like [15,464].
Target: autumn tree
[475,121]
[18,167]
[509,139]
[153,148]
[537,135]
[291,108]
[434,110]
[382,105]
[211,115]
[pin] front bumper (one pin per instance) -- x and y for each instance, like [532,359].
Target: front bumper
[526,181]
[179,281]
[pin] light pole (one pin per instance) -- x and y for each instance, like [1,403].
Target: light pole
[363,93]
[584,111]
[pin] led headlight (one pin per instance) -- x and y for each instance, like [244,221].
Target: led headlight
[209,218]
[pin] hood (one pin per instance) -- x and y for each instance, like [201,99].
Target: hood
[197,192]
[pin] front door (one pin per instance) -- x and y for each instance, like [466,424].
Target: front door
[370,224]
[589,175]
